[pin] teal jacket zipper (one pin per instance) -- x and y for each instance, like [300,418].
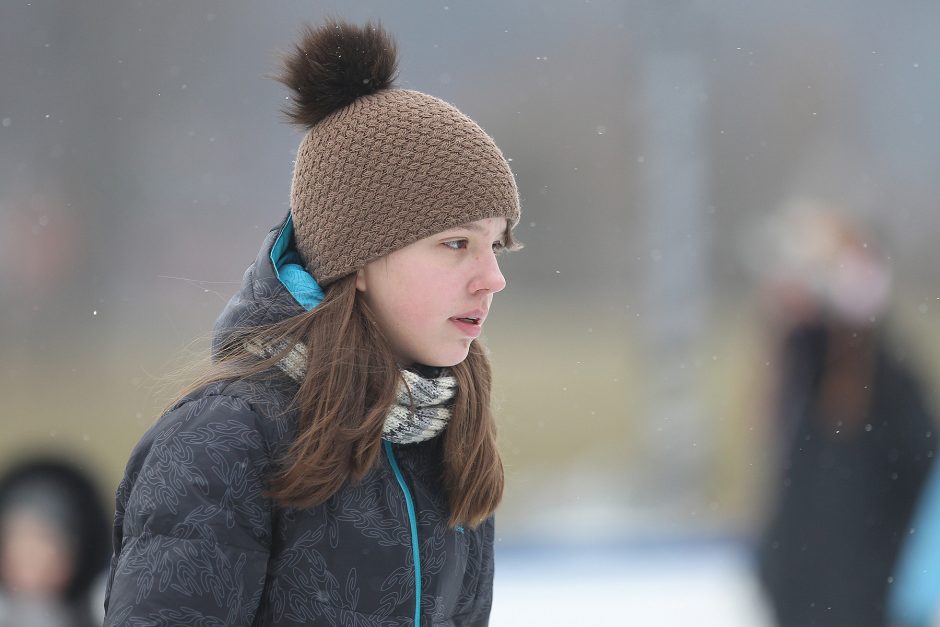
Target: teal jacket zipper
[413,520]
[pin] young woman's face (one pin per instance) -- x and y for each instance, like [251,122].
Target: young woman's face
[432,296]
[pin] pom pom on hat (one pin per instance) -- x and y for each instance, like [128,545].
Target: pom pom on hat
[333,65]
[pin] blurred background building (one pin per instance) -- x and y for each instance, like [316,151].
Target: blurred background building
[143,158]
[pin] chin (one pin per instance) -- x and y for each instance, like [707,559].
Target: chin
[446,361]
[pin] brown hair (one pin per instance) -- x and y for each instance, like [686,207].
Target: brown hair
[350,382]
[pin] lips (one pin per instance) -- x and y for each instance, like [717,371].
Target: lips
[468,328]
[475,316]
[470,323]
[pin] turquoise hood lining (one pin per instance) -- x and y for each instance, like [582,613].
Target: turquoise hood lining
[290,271]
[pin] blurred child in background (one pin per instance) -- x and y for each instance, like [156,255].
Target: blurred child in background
[54,546]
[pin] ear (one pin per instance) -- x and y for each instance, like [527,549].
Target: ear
[361,279]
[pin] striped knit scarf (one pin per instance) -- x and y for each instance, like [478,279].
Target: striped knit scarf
[422,405]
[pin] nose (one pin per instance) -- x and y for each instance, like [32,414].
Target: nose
[487,275]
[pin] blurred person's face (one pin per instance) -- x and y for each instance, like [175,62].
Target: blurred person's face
[36,559]
[431,297]
[859,286]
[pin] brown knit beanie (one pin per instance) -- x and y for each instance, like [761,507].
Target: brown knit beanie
[380,168]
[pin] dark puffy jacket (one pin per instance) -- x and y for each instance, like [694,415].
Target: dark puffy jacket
[197,543]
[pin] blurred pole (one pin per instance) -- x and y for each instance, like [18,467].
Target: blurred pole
[676,234]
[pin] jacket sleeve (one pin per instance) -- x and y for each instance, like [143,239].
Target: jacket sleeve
[192,524]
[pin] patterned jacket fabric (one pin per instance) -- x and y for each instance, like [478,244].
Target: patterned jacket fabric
[197,542]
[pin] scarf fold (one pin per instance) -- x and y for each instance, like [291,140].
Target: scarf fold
[422,408]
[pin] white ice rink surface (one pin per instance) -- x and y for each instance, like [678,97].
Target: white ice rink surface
[681,585]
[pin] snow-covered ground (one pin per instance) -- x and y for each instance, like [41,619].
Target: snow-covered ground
[663,584]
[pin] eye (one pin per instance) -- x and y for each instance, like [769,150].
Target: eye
[499,246]
[456,244]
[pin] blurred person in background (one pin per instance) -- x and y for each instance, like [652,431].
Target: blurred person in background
[915,593]
[853,427]
[54,546]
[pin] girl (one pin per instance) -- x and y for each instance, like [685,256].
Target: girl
[338,465]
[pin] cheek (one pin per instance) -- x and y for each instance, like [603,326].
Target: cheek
[409,311]
[398,309]
[420,307]
[422,294]
[436,297]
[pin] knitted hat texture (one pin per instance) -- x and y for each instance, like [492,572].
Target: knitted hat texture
[381,168]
